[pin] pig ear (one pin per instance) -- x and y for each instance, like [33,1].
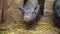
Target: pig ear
[21,8]
[37,8]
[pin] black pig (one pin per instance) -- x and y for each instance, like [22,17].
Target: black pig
[56,18]
[31,10]
[57,7]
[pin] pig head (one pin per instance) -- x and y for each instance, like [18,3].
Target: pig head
[30,11]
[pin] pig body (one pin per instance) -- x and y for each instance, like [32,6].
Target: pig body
[56,18]
[31,13]
[30,10]
[57,7]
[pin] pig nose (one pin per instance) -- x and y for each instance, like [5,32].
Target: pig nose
[27,18]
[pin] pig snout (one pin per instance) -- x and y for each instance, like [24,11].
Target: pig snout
[29,17]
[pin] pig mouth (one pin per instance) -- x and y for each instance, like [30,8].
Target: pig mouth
[28,18]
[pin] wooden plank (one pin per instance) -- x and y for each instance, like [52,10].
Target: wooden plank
[0,10]
[48,7]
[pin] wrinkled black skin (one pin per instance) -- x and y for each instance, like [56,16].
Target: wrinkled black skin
[56,18]
[32,24]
